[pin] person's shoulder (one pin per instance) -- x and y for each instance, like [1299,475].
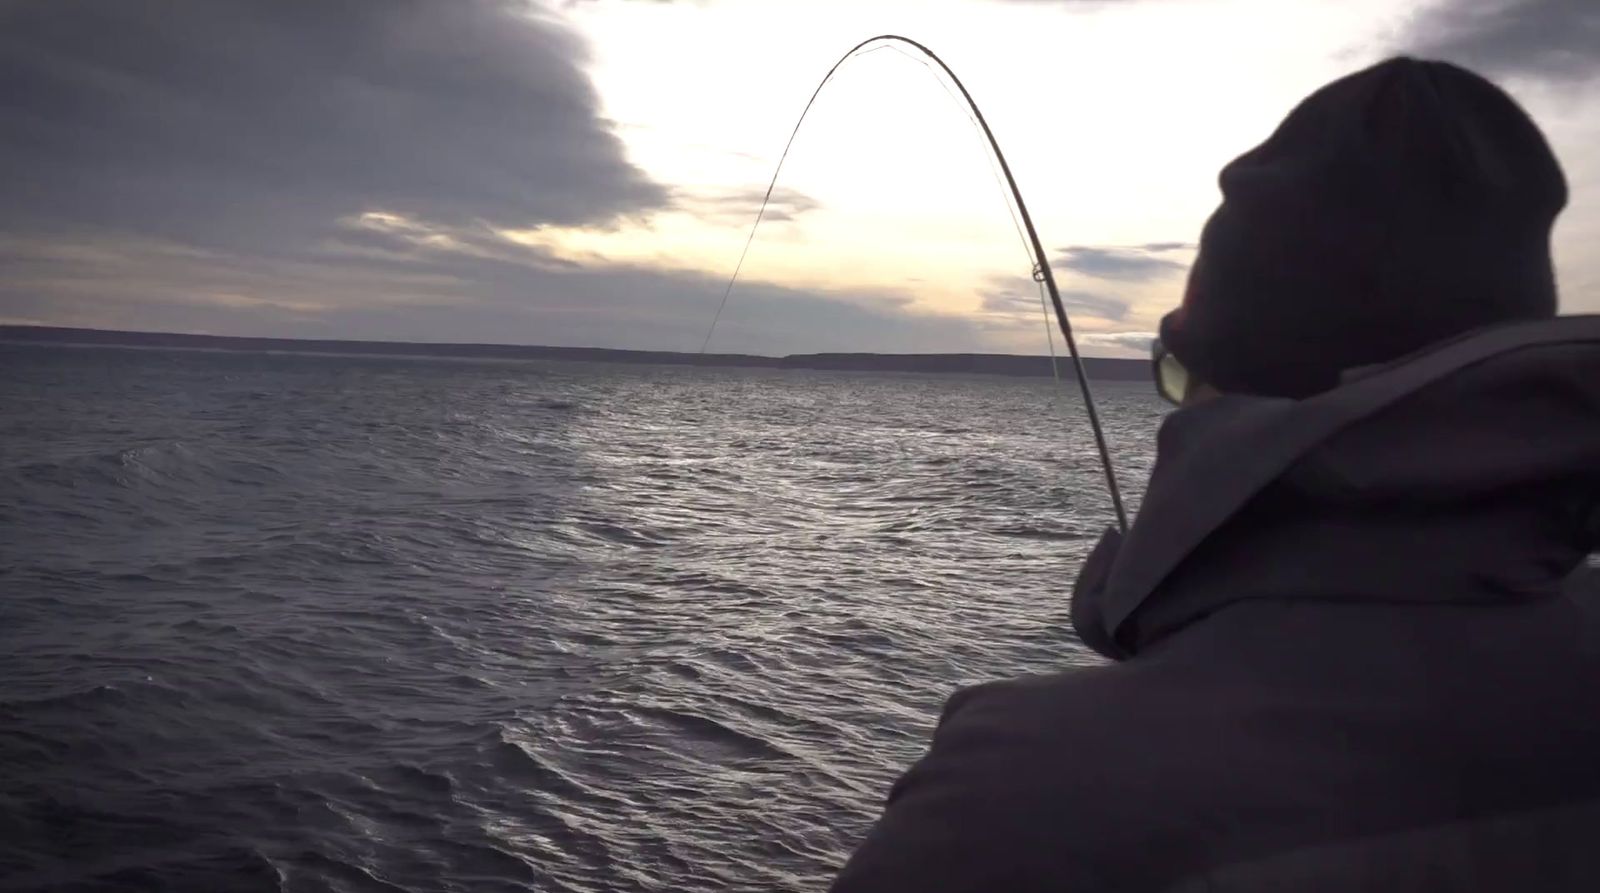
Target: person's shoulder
[1080,703]
[1015,790]
[990,806]
[1002,703]
[1030,737]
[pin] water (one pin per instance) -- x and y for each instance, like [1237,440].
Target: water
[318,623]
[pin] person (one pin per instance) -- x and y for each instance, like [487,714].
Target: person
[1344,654]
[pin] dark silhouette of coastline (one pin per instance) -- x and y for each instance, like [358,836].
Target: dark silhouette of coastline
[1101,368]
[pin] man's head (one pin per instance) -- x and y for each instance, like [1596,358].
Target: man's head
[1393,208]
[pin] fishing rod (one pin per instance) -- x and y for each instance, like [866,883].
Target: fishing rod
[1041,269]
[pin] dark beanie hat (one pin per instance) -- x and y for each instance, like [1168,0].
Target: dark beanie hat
[1393,208]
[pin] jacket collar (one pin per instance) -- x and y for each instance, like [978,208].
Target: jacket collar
[1462,471]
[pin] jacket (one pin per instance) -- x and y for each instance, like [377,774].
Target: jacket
[1347,653]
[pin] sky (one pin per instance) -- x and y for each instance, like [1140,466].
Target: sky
[586,172]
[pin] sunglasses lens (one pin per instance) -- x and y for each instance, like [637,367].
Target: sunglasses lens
[1172,380]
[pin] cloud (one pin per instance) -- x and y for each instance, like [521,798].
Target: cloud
[259,123]
[1168,246]
[1107,307]
[423,282]
[357,168]
[740,205]
[1134,290]
[1123,341]
[1021,302]
[1011,303]
[1138,264]
[354,168]
[1547,39]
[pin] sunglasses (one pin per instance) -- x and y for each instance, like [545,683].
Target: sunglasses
[1172,380]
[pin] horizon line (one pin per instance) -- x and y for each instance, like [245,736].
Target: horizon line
[1025,365]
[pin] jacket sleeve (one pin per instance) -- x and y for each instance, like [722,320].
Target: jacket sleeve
[971,815]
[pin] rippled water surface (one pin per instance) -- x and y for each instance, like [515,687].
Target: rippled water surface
[321,623]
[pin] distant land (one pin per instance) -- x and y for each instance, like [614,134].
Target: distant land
[1099,368]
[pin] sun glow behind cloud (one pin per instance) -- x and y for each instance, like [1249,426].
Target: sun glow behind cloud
[900,194]
[1115,117]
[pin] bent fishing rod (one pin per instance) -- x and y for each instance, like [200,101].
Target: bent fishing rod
[1041,269]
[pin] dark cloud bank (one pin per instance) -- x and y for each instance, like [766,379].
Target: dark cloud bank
[258,119]
[1142,263]
[203,165]
[1557,40]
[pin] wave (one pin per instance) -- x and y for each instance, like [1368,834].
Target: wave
[339,625]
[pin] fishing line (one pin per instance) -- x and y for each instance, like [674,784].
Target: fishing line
[994,171]
[1041,270]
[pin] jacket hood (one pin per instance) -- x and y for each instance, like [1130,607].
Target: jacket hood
[1469,472]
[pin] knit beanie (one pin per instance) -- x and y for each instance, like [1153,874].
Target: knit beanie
[1393,208]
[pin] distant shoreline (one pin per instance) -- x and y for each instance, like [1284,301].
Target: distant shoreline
[1099,368]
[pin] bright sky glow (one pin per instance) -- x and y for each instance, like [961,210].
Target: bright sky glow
[1115,116]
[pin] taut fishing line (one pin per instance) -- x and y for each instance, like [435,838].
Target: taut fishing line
[1042,273]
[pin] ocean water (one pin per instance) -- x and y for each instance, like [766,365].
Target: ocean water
[286,622]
